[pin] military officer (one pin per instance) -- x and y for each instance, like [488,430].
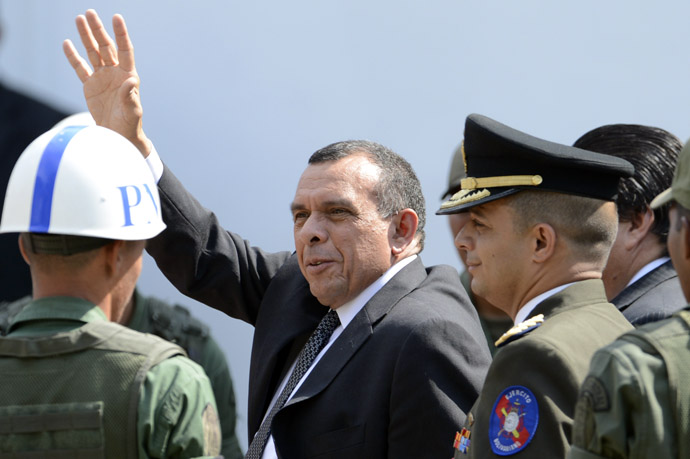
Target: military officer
[635,401]
[74,383]
[541,224]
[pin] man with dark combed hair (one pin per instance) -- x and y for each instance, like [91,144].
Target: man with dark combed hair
[639,276]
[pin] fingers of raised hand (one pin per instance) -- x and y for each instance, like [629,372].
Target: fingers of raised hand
[76,61]
[106,46]
[125,49]
[89,42]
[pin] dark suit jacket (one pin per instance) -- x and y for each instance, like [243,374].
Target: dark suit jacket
[396,383]
[551,361]
[655,296]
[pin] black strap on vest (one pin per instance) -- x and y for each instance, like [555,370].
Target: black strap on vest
[175,324]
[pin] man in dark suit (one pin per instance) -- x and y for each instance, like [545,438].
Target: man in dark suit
[639,276]
[541,224]
[391,365]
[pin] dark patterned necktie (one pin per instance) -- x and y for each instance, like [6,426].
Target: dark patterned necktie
[306,357]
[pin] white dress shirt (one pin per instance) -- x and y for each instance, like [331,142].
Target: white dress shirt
[652,265]
[525,311]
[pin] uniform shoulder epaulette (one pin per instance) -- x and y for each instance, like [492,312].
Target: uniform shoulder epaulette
[520,329]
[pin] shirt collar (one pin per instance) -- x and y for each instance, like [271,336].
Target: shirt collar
[59,308]
[349,310]
[525,311]
[652,265]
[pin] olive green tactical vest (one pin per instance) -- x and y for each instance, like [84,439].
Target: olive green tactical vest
[672,341]
[75,394]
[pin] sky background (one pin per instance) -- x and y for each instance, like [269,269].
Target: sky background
[237,95]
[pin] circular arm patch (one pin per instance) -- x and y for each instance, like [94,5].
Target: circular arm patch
[513,421]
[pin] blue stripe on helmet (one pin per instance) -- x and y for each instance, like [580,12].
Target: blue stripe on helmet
[44,186]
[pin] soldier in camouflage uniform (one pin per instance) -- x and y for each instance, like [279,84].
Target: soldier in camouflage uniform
[76,384]
[635,401]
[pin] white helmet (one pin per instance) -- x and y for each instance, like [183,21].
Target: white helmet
[82,181]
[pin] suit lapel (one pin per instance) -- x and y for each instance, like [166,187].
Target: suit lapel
[296,318]
[360,330]
[653,278]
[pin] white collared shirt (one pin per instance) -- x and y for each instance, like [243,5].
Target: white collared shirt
[652,265]
[346,313]
[525,311]
[153,160]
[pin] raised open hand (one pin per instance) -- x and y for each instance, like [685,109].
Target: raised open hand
[112,87]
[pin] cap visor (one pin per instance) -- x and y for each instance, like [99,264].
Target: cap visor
[663,198]
[464,205]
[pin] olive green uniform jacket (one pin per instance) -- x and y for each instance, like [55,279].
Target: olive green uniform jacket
[174,418]
[547,364]
[635,401]
[175,324]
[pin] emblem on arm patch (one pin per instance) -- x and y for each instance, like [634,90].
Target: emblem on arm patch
[513,421]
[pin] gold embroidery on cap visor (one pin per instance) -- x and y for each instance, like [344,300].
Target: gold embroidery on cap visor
[464,196]
[470,187]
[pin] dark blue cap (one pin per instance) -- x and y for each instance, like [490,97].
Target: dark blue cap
[500,161]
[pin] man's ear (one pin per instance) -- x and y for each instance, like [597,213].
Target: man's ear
[404,230]
[639,226]
[544,245]
[112,256]
[22,250]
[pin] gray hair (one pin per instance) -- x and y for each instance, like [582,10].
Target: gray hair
[398,186]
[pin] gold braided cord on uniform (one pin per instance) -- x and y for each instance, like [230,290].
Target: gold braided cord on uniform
[472,183]
[520,328]
[471,191]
